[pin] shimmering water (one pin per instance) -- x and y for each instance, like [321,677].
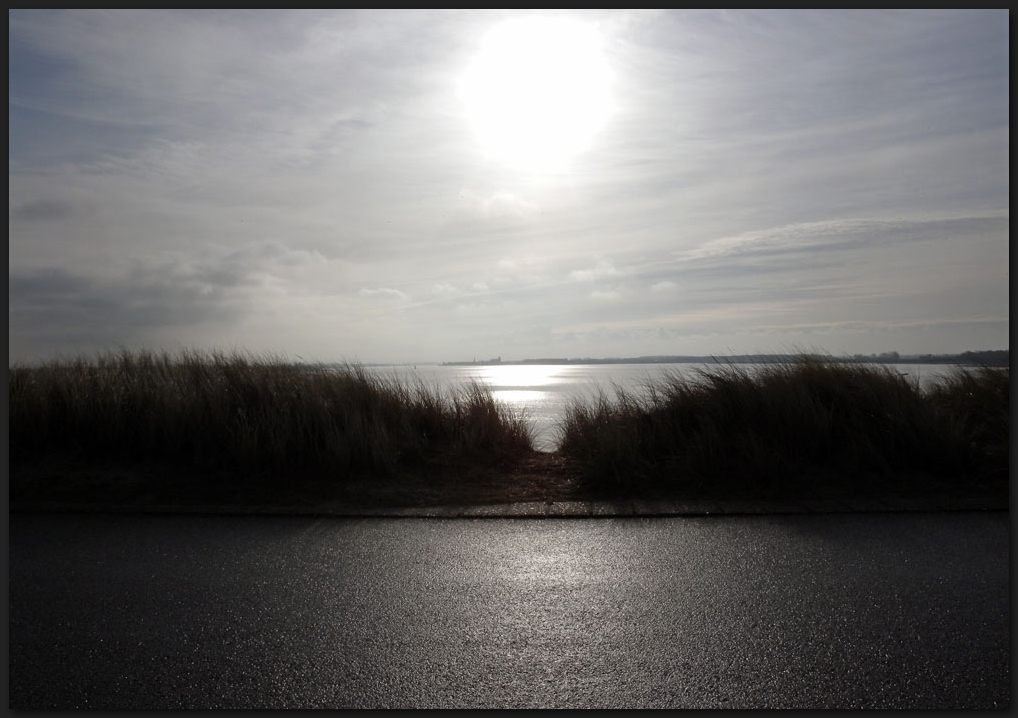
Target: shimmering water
[544,391]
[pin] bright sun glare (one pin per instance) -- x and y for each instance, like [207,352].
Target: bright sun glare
[537,91]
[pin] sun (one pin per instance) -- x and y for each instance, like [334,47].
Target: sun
[537,92]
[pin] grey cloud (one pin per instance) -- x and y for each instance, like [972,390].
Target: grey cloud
[993,321]
[46,283]
[41,210]
[59,301]
[244,269]
[272,253]
[182,71]
[54,307]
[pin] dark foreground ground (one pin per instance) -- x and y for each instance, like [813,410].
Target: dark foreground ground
[543,484]
[542,477]
[889,610]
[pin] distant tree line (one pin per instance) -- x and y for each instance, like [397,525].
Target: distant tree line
[998,357]
[980,358]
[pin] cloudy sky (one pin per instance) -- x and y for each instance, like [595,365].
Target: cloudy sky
[390,186]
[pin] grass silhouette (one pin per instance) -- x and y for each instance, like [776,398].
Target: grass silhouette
[806,428]
[248,422]
[142,426]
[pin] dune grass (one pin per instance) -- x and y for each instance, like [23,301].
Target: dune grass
[807,428]
[213,415]
[234,427]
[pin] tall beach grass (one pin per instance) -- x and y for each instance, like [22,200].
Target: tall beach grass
[241,415]
[806,428]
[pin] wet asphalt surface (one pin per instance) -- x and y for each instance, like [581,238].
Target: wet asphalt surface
[846,610]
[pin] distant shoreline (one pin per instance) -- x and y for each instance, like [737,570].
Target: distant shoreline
[977,358]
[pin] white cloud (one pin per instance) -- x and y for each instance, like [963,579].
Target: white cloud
[384,293]
[604,268]
[665,287]
[444,290]
[856,233]
[788,237]
[500,203]
[608,296]
[518,264]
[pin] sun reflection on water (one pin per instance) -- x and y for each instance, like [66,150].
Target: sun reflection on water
[519,375]
[519,396]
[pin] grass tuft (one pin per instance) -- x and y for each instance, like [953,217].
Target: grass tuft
[242,416]
[808,428]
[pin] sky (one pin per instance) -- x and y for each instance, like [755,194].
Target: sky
[427,186]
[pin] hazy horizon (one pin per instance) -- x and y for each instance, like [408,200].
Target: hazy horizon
[438,185]
[695,358]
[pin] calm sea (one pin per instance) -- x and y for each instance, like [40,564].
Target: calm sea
[544,391]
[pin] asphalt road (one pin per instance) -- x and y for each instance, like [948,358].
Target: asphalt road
[847,610]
